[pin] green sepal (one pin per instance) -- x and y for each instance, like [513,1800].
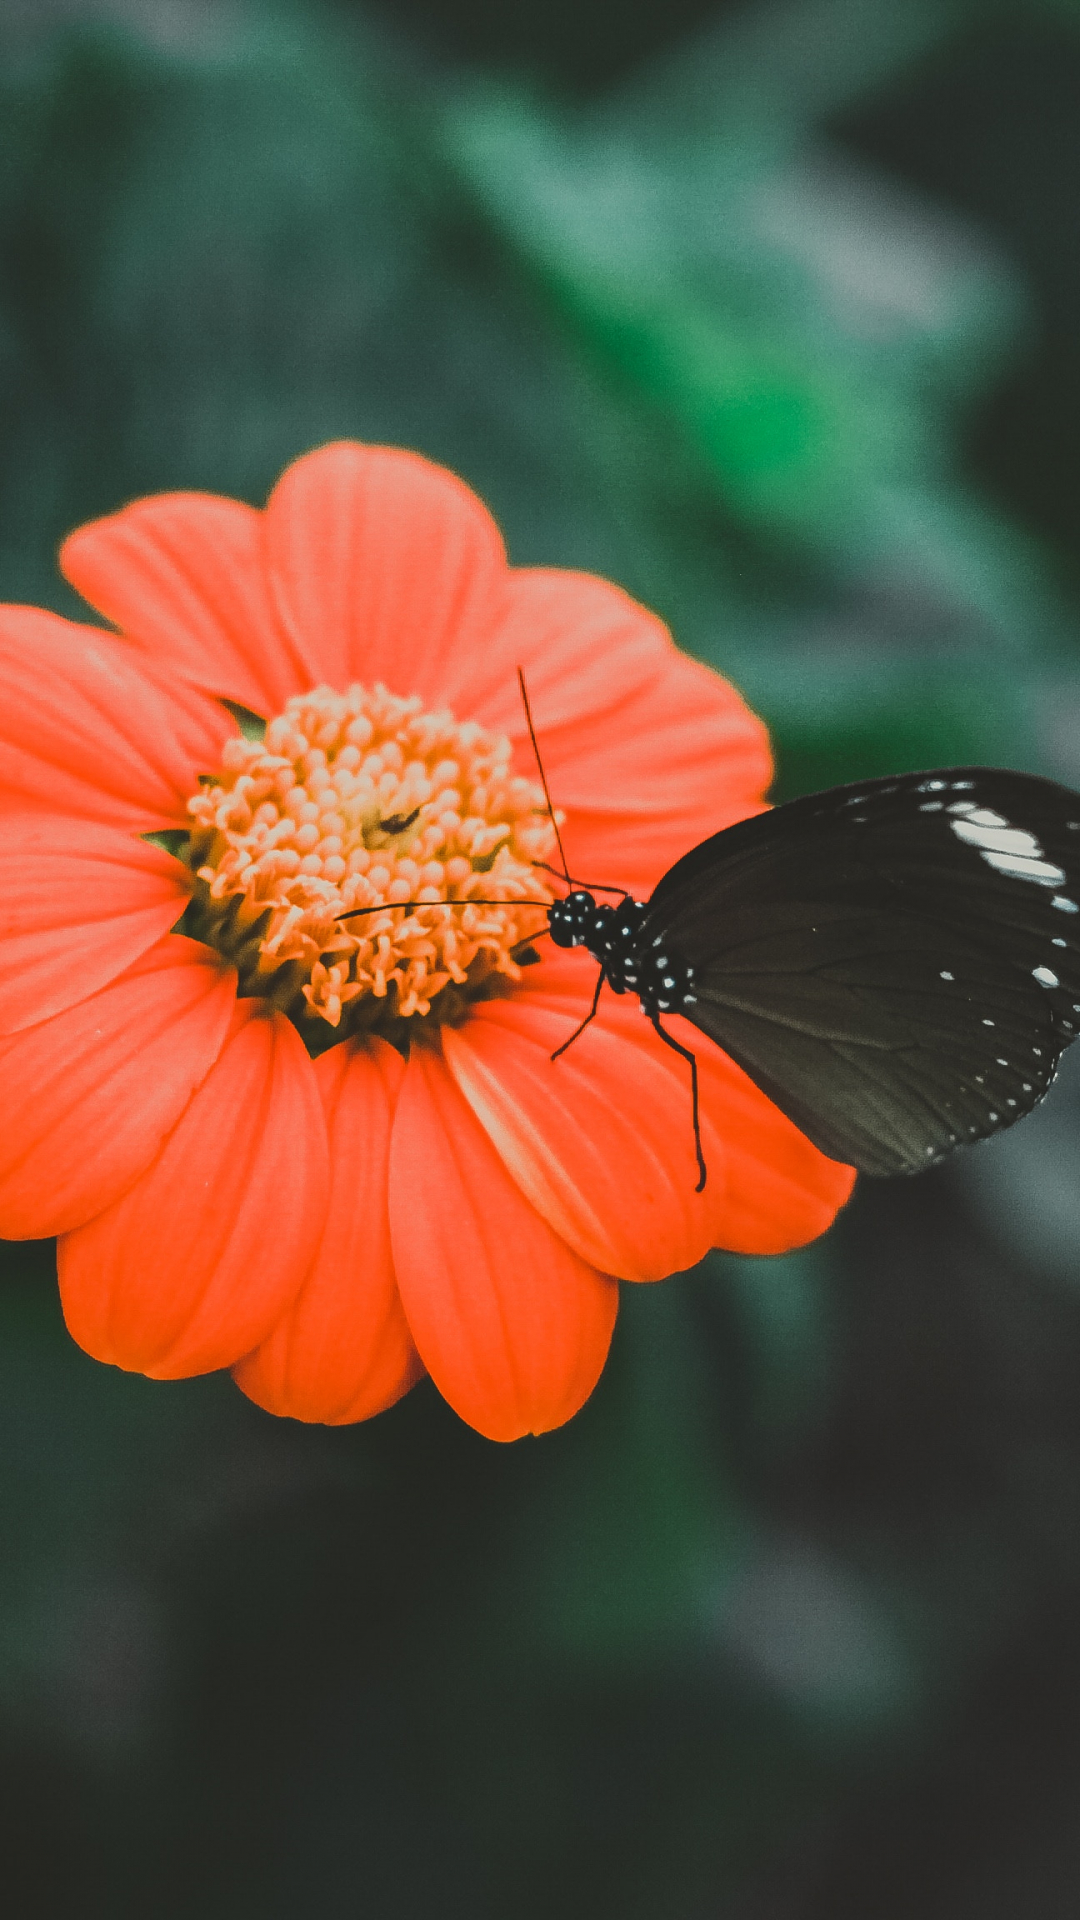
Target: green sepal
[174,840]
[251,725]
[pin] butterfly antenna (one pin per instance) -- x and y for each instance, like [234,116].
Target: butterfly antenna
[389,906]
[594,886]
[543,775]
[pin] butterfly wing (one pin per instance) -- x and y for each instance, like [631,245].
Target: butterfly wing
[896,963]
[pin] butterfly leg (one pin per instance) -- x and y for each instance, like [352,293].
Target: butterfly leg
[591,1015]
[687,1055]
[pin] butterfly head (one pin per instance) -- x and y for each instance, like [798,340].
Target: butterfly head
[573,920]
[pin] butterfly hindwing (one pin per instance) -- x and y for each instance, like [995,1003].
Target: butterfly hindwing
[896,964]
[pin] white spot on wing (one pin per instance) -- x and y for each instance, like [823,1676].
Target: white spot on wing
[1063,904]
[1044,977]
[991,834]
[1042,872]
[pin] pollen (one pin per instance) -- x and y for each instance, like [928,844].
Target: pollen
[364,804]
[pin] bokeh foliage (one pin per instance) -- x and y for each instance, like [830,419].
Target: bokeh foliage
[781,1626]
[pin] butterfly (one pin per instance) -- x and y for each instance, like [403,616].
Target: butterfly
[896,963]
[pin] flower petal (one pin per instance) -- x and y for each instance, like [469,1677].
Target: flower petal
[85,729]
[343,1350]
[512,1326]
[79,903]
[585,647]
[386,568]
[183,575]
[94,1091]
[195,1263]
[646,751]
[601,1140]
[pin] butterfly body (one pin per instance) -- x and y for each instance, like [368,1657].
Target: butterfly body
[895,964]
[662,979]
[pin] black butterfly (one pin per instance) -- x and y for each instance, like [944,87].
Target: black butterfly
[895,963]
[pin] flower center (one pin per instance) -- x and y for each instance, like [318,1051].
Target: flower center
[361,800]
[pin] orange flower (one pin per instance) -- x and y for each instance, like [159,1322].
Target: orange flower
[334,1153]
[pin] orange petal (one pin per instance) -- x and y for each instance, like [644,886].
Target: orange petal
[86,729]
[193,1266]
[585,646]
[92,1093]
[646,751]
[79,903]
[512,1326]
[183,575]
[386,568]
[343,1350]
[601,1140]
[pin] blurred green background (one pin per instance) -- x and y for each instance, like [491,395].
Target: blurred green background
[768,312]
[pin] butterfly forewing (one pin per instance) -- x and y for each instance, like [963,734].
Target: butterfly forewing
[896,964]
